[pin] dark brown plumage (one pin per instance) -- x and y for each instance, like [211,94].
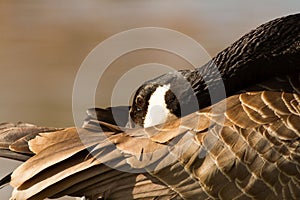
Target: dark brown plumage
[244,147]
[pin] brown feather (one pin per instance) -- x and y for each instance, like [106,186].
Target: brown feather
[247,146]
[191,162]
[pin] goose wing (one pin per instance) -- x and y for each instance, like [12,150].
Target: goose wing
[83,163]
[246,146]
[77,172]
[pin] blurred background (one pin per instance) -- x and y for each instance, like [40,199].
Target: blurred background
[43,43]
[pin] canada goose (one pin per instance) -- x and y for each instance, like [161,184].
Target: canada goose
[250,150]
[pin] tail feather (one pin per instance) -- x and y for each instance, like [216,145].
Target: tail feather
[108,119]
[5,180]
[14,139]
[6,153]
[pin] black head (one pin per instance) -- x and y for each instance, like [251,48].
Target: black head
[166,97]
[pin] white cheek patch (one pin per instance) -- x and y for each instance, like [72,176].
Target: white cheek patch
[157,112]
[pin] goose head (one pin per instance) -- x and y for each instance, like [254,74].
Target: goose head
[150,107]
[164,98]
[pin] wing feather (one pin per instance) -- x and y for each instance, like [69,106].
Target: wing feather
[253,153]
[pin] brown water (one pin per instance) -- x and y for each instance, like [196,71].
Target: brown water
[43,43]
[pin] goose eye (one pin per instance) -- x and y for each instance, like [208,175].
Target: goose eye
[139,101]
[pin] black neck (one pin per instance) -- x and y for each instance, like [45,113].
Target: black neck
[270,50]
